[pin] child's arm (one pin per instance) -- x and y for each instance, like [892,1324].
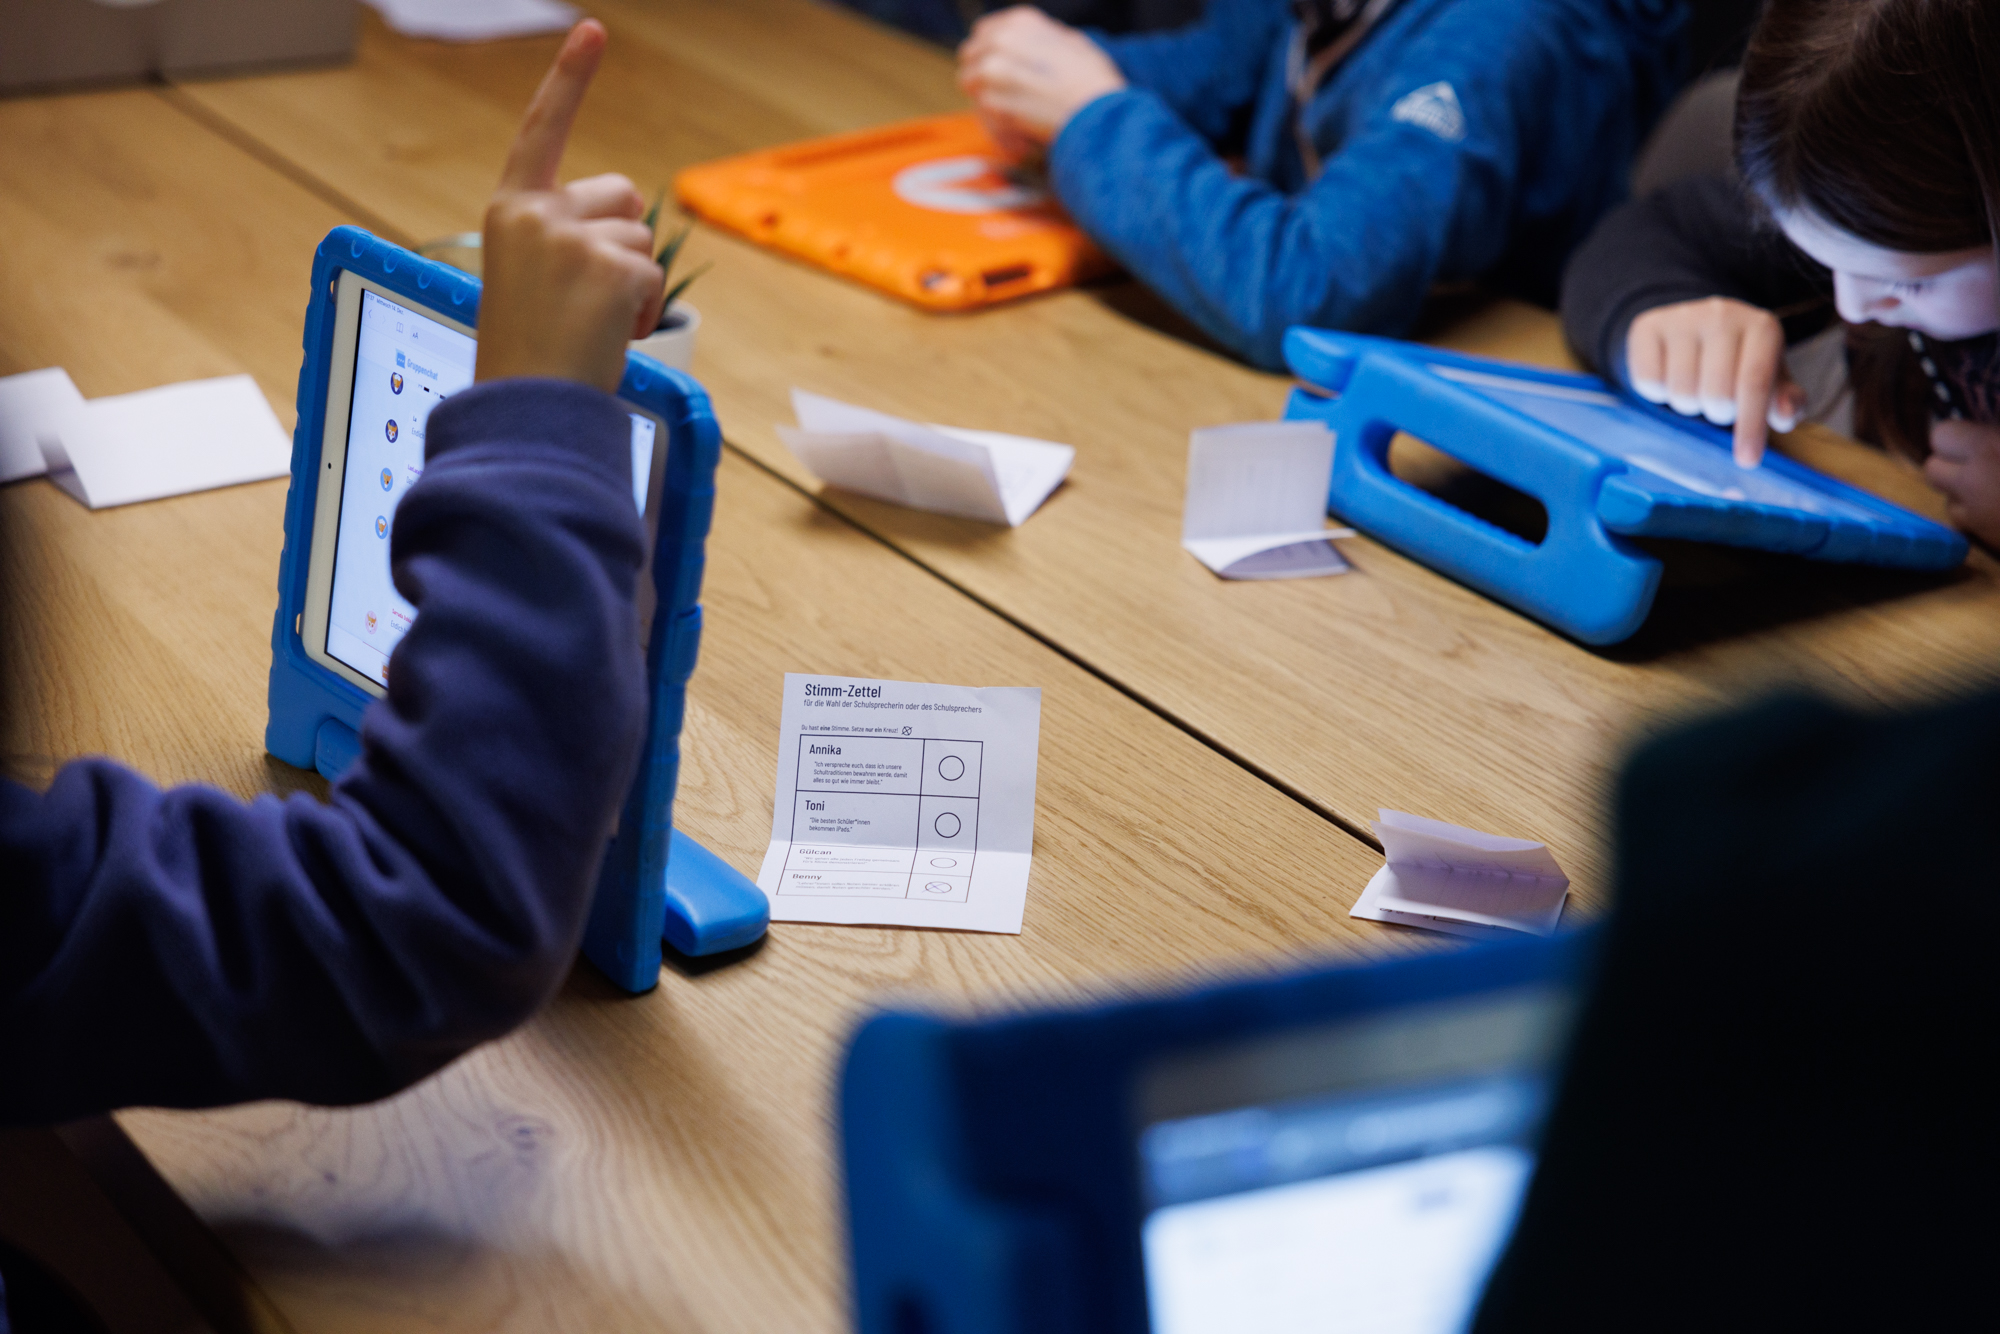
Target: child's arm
[1412,192]
[1965,464]
[1028,74]
[181,948]
[1674,295]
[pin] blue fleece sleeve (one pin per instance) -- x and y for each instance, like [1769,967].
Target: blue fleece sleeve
[1210,71]
[1440,143]
[182,948]
[1357,249]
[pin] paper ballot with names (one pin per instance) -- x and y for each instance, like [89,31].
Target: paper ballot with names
[903,804]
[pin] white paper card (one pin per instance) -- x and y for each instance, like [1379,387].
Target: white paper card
[1443,877]
[944,469]
[1256,501]
[31,407]
[474,20]
[167,442]
[903,804]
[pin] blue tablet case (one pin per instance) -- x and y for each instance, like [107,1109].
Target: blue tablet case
[1605,466]
[656,882]
[993,1179]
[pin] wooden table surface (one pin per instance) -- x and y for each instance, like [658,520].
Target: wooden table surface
[668,1161]
[1391,686]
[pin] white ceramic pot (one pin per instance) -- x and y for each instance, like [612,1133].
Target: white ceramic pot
[673,345]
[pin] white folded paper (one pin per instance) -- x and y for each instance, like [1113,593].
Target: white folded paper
[474,20]
[167,442]
[969,474]
[1256,501]
[31,407]
[1443,877]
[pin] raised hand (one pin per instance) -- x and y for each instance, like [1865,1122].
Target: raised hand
[569,271]
[1720,359]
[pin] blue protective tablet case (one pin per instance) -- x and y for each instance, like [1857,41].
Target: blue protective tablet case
[1605,466]
[992,1175]
[656,882]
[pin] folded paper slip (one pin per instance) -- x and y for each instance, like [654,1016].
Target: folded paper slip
[1443,877]
[969,474]
[927,210]
[167,442]
[1256,501]
[32,406]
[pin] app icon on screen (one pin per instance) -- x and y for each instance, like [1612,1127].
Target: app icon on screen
[388,478]
[392,430]
[381,526]
[395,382]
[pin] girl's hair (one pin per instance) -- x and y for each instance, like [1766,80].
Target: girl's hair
[1883,118]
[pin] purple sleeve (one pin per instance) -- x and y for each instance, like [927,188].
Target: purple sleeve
[182,948]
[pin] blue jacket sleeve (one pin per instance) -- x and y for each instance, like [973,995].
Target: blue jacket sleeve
[182,948]
[1209,72]
[1457,137]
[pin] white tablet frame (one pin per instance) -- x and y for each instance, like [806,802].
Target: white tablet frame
[332,473]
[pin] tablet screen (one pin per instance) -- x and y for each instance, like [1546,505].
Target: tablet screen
[1376,1203]
[405,364]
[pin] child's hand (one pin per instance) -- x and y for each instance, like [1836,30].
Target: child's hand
[569,270]
[1028,74]
[1720,359]
[1965,465]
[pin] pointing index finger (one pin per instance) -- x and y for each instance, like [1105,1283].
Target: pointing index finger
[538,149]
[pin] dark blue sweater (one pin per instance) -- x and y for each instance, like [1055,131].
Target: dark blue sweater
[184,949]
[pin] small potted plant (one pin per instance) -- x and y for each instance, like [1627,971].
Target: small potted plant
[672,342]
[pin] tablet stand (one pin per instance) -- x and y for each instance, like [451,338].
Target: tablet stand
[656,882]
[1605,467]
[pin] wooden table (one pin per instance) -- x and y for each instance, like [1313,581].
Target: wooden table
[1208,749]
[1389,687]
[666,1160]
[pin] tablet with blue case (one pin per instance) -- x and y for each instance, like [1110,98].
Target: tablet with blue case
[1346,1148]
[388,336]
[1605,467]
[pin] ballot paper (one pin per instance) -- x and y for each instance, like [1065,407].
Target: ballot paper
[166,442]
[970,474]
[31,406]
[1446,878]
[474,20]
[902,804]
[1256,501]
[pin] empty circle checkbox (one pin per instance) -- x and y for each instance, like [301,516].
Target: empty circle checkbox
[947,825]
[951,768]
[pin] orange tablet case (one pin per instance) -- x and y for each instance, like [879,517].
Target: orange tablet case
[927,210]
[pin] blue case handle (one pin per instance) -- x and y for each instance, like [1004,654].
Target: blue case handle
[1580,578]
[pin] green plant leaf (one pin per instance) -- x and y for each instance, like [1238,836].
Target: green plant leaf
[652,218]
[672,249]
[674,292]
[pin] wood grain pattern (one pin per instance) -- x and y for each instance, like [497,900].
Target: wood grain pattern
[1388,687]
[665,1161]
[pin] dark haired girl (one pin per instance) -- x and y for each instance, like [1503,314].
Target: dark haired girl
[1868,146]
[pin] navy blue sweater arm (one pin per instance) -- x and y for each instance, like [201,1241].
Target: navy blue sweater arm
[1697,238]
[182,948]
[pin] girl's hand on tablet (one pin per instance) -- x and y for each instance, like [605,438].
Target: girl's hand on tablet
[1028,74]
[1719,359]
[1965,465]
[569,270]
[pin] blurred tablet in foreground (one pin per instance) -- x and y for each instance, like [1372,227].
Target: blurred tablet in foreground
[1344,1149]
[927,210]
